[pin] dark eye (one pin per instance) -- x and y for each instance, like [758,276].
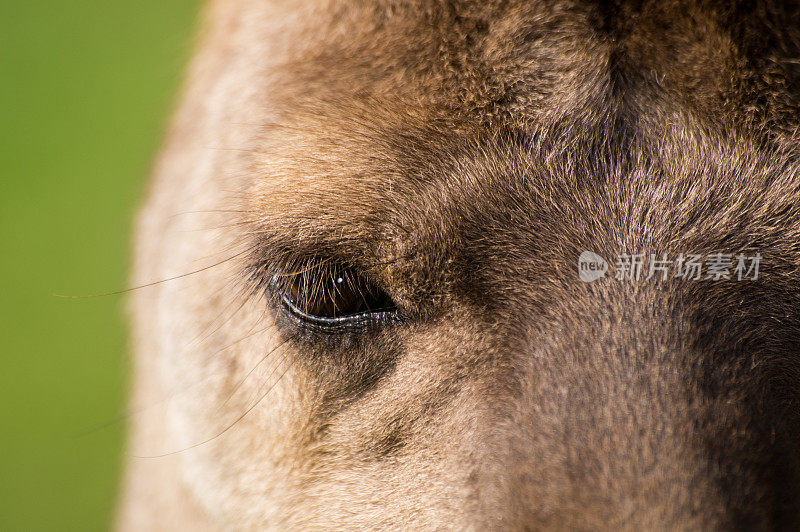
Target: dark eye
[328,295]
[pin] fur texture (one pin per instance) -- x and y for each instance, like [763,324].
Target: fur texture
[462,154]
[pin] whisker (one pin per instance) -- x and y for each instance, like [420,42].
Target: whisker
[269,376]
[231,425]
[256,366]
[210,211]
[243,294]
[131,412]
[125,291]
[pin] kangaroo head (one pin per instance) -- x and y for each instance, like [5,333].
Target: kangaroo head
[373,219]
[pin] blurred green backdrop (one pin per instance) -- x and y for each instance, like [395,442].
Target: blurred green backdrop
[85,92]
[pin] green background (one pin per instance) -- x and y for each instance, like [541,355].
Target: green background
[85,93]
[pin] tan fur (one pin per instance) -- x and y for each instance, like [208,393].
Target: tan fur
[463,154]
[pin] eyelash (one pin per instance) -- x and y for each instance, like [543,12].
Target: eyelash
[299,289]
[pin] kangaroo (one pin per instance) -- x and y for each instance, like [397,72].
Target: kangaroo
[392,253]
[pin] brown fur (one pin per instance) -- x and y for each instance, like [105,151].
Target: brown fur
[463,154]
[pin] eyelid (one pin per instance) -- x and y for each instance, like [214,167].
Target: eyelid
[334,321]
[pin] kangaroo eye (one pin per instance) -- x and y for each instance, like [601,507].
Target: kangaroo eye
[330,295]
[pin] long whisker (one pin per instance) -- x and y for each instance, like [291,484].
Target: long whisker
[129,413]
[208,331]
[256,366]
[125,291]
[231,425]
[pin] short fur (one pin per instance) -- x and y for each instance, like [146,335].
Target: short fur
[463,154]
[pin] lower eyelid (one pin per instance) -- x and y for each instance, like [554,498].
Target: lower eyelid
[335,321]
